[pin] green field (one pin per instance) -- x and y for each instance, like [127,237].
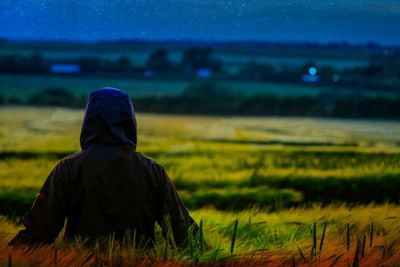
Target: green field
[277,176]
[24,86]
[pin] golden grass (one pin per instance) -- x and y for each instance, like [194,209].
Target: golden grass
[262,238]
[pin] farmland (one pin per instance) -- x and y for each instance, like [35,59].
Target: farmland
[247,69]
[22,87]
[284,180]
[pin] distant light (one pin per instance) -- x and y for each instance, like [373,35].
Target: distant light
[335,78]
[312,71]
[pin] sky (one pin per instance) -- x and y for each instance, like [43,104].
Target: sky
[322,21]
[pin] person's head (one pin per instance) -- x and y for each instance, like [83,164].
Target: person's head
[109,119]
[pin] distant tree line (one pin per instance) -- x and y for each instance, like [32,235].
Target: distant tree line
[382,72]
[206,98]
[193,59]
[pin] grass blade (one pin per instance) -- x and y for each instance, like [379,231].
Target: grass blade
[201,238]
[165,256]
[293,264]
[371,235]
[234,236]
[335,260]
[321,244]
[191,242]
[302,255]
[363,245]
[356,261]
[314,239]
[348,237]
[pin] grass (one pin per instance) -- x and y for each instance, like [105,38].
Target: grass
[274,191]
[237,163]
[251,236]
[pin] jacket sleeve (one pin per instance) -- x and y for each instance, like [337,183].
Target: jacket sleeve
[45,219]
[173,213]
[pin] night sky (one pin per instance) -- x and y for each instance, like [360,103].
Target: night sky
[353,21]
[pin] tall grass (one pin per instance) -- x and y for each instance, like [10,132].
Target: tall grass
[270,236]
[233,242]
[118,253]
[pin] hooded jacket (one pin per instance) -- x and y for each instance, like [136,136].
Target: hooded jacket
[108,187]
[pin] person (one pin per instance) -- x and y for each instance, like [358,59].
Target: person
[108,188]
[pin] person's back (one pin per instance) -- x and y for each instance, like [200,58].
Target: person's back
[108,187]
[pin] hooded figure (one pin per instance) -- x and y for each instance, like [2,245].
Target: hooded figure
[108,187]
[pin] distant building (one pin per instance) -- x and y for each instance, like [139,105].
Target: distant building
[203,73]
[65,68]
[149,74]
[311,76]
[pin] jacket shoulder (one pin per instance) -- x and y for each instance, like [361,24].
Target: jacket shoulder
[73,155]
[149,162]
[68,162]
[71,158]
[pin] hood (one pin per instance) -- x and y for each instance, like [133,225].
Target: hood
[109,119]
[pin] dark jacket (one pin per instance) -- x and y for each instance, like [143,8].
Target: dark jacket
[108,187]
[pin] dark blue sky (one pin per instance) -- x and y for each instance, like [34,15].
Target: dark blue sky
[354,21]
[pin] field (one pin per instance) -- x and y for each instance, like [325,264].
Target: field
[24,86]
[277,191]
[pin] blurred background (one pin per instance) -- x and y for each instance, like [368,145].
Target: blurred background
[287,58]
